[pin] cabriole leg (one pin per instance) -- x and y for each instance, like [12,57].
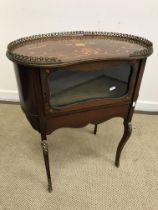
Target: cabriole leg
[95,128]
[44,145]
[124,139]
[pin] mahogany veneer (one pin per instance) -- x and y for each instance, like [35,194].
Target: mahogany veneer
[75,78]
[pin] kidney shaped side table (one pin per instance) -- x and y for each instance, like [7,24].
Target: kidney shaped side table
[71,79]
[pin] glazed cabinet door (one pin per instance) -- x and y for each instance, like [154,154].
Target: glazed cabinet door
[87,85]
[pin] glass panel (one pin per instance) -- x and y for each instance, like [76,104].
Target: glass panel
[70,87]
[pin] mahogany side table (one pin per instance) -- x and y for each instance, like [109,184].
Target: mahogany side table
[71,79]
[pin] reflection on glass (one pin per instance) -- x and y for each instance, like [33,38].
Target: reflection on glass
[70,87]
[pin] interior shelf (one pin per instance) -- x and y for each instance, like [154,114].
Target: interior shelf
[100,87]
